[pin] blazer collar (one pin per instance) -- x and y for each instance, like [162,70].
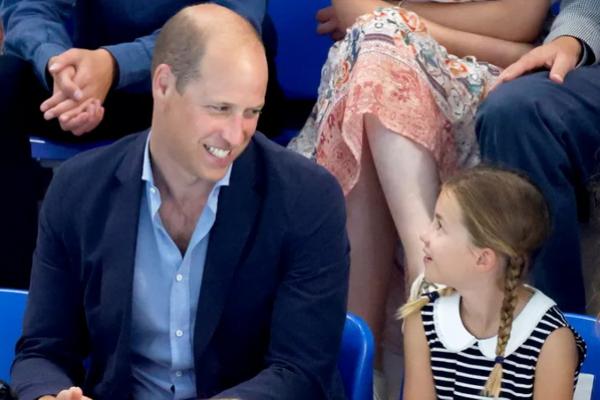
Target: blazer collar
[131,163]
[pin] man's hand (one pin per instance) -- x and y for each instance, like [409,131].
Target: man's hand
[73,393]
[328,23]
[94,72]
[559,56]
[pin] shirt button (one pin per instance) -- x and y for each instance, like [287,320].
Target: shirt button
[179,333]
[152,190]
[178,374]
[179,277]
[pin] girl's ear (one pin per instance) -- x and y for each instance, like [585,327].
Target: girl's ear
[487,259]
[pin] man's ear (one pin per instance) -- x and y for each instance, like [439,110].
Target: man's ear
[163,82]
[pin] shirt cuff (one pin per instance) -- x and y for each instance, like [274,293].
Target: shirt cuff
[587,57]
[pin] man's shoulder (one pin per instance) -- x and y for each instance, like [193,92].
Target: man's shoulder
[89,176]
[100,161]
[292,170]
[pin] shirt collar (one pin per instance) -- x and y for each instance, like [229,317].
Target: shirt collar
[455,337]
[148,177]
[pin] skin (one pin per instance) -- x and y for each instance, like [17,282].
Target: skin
[82,80]
[220,108]
[497,31]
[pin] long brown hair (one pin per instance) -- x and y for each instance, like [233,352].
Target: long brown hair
[505,212]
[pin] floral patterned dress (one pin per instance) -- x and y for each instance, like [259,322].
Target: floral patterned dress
[389,66]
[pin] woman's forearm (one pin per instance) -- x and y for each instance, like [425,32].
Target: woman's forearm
[498,51]
[512,20]
[348,10]
[495,51]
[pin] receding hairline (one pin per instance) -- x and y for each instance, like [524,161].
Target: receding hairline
[213,22]
[201,27]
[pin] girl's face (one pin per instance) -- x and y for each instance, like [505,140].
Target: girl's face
[449,255]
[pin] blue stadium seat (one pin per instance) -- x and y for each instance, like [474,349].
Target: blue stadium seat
[49,150]
[300,51]
[555,7]
[299,56]
[589,329]
[356,359]
[12,308]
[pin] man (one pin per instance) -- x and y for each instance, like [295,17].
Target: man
[72,68]
[203,261]
[547,124]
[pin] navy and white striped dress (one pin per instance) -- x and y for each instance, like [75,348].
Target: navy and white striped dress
[461,363]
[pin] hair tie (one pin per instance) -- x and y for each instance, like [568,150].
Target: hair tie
[499,360]
[433,296]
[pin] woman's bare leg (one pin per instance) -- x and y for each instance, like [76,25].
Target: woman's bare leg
[410,181]
[372,238]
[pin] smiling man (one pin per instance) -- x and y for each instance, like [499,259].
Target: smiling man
[197,260]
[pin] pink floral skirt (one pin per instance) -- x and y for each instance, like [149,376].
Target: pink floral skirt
[389,66]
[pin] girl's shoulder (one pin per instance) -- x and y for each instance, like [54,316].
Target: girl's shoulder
[538,318]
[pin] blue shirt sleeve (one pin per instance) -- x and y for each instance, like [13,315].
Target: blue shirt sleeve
[35,31]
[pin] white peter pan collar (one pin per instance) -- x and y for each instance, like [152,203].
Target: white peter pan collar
[455,337]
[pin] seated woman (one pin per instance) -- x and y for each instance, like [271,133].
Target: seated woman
[395,114]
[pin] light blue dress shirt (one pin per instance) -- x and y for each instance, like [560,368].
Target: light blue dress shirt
[166,288]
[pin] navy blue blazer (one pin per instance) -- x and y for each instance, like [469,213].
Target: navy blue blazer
[273,299]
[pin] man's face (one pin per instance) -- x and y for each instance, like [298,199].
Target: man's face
[204,128]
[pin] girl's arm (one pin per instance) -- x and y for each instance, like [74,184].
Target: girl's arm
[418,379]
[556,366]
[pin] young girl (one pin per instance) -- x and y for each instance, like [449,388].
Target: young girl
[487,334]
[395,114]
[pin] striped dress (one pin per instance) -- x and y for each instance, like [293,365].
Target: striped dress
[462,363]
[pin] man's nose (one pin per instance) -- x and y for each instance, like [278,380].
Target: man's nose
[234,131]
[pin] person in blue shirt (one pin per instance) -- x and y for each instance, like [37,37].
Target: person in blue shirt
[543,119]
[72,68]
[196,260]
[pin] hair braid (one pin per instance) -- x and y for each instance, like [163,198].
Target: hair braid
[416,305]
[511,283]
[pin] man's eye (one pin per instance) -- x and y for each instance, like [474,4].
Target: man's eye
[220,109]
[253,113]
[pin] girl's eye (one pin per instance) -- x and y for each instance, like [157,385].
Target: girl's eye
[437,224]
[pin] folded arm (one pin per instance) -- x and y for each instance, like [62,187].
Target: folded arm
[511,20]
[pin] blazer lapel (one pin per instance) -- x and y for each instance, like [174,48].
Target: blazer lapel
[119,258]
[238,206]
